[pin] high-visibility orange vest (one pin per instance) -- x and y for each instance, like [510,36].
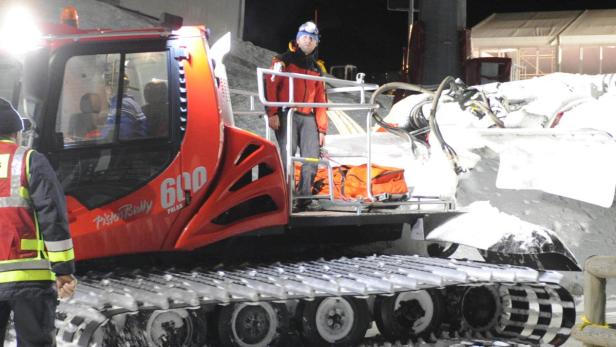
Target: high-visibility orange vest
[22,250]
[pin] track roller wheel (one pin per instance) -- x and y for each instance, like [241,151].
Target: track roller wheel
[169,328]
[408,314]
[259,324]
[335,321]
[481,308]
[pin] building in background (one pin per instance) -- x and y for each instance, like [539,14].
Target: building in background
[540,43]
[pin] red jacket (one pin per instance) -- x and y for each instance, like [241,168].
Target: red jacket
[303,90]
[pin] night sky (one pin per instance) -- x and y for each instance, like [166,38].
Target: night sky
[363,32]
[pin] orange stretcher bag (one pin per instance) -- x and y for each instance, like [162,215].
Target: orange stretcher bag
[350,181]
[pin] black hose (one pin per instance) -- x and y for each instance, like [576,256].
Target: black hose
[435,129]
[417,119]
[394,86]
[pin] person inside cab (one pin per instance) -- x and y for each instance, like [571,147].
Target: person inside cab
[82,124]
[156,108]
[133,122]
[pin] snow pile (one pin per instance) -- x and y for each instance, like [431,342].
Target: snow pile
[546,144]
[533,103]
[426,175]
[490,226]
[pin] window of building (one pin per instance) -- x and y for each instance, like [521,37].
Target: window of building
[570,59]
[608,61]
[591,60]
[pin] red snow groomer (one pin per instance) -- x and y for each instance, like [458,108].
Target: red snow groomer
[160,185]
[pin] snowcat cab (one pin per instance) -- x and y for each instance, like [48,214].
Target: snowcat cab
[138,127]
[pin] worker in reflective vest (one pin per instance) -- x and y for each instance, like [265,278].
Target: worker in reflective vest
[36,250]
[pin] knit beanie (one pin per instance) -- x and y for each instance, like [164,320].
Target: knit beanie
[309,29]
[10,121]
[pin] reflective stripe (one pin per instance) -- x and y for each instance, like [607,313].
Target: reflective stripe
[14,201]
[40,264]
[24,193]
[16,168]
[58,246]
[26,275]
[29,153]
[61,256]
[32,245]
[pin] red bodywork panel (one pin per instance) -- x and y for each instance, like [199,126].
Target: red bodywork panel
[201,230]
[157,217]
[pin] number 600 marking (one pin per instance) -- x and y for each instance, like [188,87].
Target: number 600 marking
[172,189]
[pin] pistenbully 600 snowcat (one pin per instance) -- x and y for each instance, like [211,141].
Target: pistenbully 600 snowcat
[137,125]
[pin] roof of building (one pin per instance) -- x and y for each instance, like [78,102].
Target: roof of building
[521,29]
[592,27]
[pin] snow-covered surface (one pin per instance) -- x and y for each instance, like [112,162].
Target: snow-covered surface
[490,226]
[532,154]
[426,175]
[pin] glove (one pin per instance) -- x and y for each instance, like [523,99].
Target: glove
[277,67]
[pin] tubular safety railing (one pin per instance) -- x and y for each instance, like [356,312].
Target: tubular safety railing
[593,330]
[340,86]
[252,111]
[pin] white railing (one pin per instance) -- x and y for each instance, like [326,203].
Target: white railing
[252,111]
[340,86]
[337,86]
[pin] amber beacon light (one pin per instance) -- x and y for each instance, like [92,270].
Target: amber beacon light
[69,16]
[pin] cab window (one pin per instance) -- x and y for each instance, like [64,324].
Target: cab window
[110,98]
[112,128]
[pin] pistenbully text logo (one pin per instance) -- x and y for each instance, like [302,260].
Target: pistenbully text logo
[125,212]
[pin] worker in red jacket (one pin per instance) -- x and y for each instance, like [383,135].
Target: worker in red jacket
[36,250]
[309,124]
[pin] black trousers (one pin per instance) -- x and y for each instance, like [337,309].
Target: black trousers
[304,133]
[34,320]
